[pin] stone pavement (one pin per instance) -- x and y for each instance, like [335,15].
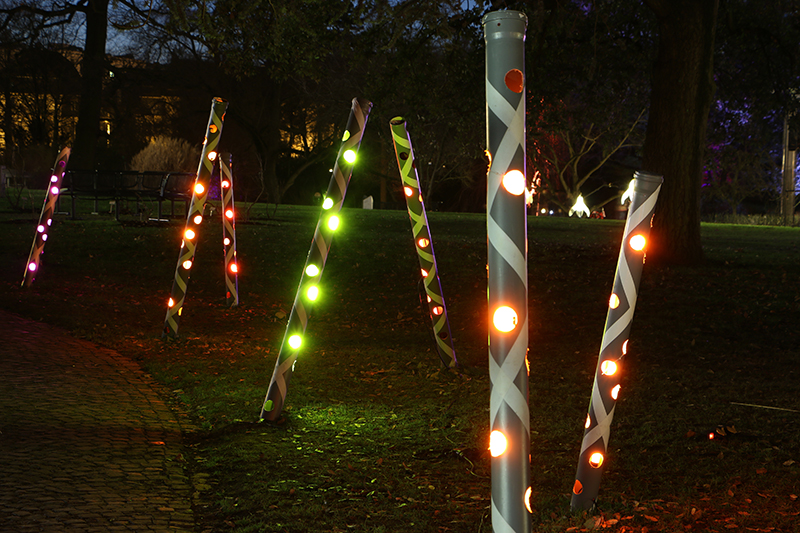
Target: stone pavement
[87,442]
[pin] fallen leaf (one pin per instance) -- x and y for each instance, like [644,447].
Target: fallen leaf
[651,518]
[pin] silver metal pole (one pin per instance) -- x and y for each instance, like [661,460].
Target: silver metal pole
[614,346]
[509,418]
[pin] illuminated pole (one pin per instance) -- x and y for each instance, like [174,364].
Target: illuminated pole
[308,290]
[229,231]
[194,218]
[45,217]
[614,346]
[423,243]
[509,419]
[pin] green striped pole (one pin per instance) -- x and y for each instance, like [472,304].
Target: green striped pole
[423,242]
[308,290]
[229,231]
[195,218]
[45,217]
[614,346]
[509,418]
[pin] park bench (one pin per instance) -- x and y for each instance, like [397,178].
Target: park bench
[122,186]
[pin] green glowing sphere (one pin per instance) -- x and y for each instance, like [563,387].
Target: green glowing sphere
[295,341]
[328,203]
[349,156]
[346,135]
[312,270]
[312,292]
[333,223]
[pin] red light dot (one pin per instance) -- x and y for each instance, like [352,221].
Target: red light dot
[515,80]
[229,213]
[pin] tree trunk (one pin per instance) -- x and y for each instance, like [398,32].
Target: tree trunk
[92,73]
[681,96]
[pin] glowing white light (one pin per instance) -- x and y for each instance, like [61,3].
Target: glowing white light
[505,319]
[40,228]
[229,214]
[199,189]
[588,422]
[32,267]
[170,302]
[628,194]
[497,443]
[608,368]
[53,179]
[198,219]
[514,182]
[189,234]
[579,208]
[225,184]
[312,293]
[423,242]
[615,392]
[234,268]
[613,302]
[333,223]
[327,204]
[596,460]
[54,190]
[226,241]
[312,270]
[295,341]
[408,191]
[212,156]
[638,242]
[349,156]
[187,265]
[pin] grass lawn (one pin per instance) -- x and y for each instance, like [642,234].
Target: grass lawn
[377,437]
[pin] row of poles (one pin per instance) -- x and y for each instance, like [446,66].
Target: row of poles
[506,216]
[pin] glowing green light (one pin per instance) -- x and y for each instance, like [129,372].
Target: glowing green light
[333,222]
[312,292]
[346,135]
[295,341]
[349,156]
[328,203]
[312,270]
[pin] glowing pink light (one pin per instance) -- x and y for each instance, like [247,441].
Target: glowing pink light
[40,228]
[54,190]
[32,267]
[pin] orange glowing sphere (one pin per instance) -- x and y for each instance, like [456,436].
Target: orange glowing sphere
[229,213]
[638,242]
[613,302]
[608,368]
[199,189]
[497,443]
[514,182]
[505,319]
[408,191]
[189,234]
[596,460]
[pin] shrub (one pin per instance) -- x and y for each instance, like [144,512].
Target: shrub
[167,154]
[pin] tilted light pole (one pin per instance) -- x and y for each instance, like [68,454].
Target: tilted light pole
[308,291]
[45,217]
[229,231]
[509,418]
[195,218]
[614,346]
[437,310]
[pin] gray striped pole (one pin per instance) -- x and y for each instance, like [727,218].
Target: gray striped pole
[614,346]
[45,217]
[509,422]
[229,231]
[194,219]
[437,310]
[308,290]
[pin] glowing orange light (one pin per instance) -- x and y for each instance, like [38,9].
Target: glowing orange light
[588,422]
[514,182]
[198,219]
[225,184]
[187,265]
[234,268]
[423,242]
[577,488]
[613,302]
[212,156]
[596,460]
[212,128]
[438,310]
[424,272]
[170,302]
[198,188]
[608,368]
[528,500]
[409,191]
[711,436]
[180,311]
[429,299]
[625,347]
[505,319]
[189,234]
[229,213]
[497,443]
[638,242]
[615,392]
[226,241]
